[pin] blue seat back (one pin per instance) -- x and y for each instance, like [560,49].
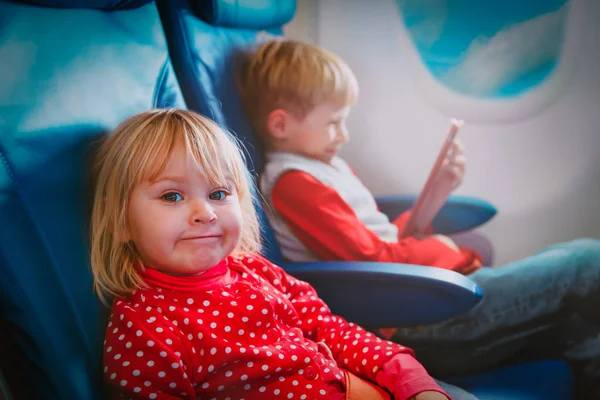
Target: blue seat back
[67,76]
[204,38]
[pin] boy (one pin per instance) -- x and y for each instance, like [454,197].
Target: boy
[298,97]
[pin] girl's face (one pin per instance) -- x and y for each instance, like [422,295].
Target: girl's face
[180,223]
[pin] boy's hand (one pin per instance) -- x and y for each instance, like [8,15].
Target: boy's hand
[429,396]
[446,240]
[453,169]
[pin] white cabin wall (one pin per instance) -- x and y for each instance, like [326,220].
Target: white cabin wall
[542,172]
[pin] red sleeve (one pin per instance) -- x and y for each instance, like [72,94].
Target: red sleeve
[329,227]
[143,356]
[353,348]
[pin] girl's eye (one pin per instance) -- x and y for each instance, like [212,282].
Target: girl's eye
[218,195]
[172,197]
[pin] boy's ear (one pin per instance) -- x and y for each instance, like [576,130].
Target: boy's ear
[278,123]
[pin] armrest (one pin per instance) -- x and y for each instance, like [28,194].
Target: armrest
[460,213]
[389,295]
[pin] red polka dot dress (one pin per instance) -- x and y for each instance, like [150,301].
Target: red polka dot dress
[244,330]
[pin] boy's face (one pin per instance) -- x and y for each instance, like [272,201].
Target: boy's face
[320,134]
[180,223]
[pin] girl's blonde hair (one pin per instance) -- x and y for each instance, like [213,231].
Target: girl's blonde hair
[294,76]
[137,151]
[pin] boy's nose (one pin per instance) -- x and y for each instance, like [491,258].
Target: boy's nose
[342,135]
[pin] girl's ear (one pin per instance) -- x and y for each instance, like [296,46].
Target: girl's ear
[279,123]
[123,236]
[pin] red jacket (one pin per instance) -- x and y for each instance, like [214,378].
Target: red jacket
[329,227]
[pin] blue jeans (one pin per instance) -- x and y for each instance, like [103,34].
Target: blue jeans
[546,305]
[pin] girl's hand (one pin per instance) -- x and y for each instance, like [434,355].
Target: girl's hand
[429,396]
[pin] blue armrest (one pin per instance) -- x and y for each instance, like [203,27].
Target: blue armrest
[460,213]
[387,294]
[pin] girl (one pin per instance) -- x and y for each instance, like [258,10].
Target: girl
[197,314]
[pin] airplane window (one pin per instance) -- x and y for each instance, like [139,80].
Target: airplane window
[493,53]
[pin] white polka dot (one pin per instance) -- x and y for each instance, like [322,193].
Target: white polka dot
[295,357]
[307,360]
[213,325]
[216,312]
[123,382]
[152,396]
[230,315]
[265,367]
[276,391]
[147,383]
[139,353]
[169,341]
[174,365]
[245,319]
[227,328]
[290,395]
[241,332]
[128,345]
[109,349]
[121,337]
[221,388]
[204,385]
[228,350]
[159,329]
[137,389]
[150,363]
[150,343]
[172,385]
[162,374]
[211,368]
[246,386]
[206,303]
[323,392]
[113,375]
[129,324]
[190,301]
[249,307]
[364,362]
[117,356]
[244,377]
[262,389]
[228,374]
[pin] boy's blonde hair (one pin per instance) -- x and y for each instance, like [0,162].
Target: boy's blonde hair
[294,76]
[137,151]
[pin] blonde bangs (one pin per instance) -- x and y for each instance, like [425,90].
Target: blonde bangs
[139,150]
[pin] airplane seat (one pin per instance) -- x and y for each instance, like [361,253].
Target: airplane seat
[71,70]
[204,38]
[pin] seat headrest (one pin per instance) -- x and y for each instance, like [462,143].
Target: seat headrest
[94,4]
[246,14]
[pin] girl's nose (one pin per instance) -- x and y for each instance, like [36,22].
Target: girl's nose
[203,213]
